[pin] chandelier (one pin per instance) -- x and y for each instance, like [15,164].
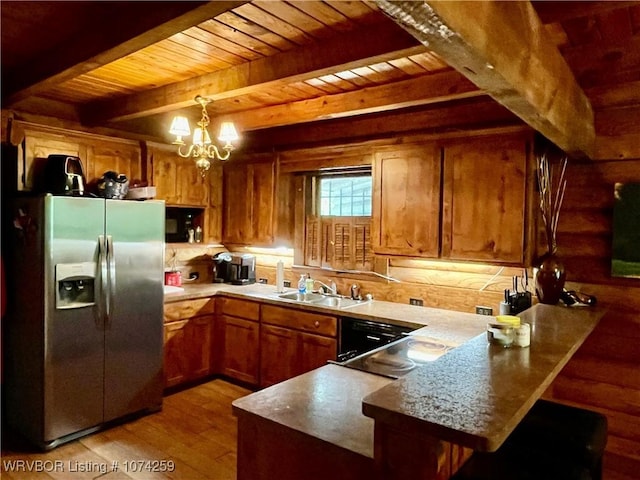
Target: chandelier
[201,149]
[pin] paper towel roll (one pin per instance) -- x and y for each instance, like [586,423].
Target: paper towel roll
[280,276]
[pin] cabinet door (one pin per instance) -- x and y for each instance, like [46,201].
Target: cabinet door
[249,193]
[241,349]
[38,146]
[117,157]
[406,200]
[176,359]
[200,346]
[177,180]
[485,182]
[213,213]
[262,201]
[165,172]
[278,354]
[315,351]
[236,226]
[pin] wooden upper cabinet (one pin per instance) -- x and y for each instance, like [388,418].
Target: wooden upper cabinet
[249,202]
[98,155]
[484,198]
[213,213]
[121,158]
[406,200]
[177,180]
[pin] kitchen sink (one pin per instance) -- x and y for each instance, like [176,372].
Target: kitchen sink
[337,302]
[321,300]
[302,297]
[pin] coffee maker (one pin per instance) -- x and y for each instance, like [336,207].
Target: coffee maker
[221,267]
[242,269]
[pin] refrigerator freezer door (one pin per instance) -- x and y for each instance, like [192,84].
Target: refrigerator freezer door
[74,338]
[134,329]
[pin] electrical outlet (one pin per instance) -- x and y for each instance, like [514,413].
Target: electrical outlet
[480,310]
[416,301]
[263,280]
[194,276]
[287,283]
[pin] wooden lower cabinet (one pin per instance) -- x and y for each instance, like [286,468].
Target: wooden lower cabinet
[239,342]
[187,350]
[315,351]
[188,340]
[176,362]
[278,354]
[241,347]
[287,348]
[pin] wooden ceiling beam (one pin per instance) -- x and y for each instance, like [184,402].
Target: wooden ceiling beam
[471,114]
[344,52]
[136,26]
[503,48]
[424,90]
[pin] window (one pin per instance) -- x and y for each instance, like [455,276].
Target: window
[338,221]
[344,196]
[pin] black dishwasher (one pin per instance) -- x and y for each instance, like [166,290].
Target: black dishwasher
[360,336]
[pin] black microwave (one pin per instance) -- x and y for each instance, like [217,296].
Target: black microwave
[178,221]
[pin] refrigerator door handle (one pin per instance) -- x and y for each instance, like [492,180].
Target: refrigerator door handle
[102,298]
[111,292]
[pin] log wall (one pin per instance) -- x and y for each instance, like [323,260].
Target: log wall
[604,375]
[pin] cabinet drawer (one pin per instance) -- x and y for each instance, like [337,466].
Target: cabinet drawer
[306,321]
[240,308]
[188,308]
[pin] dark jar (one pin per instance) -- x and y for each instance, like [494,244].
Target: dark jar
[550,277]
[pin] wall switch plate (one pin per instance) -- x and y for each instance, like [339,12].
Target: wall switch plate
[287,283]
[263,280]
[480,310]
[416,301]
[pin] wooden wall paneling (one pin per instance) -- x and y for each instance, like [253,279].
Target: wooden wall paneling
[603,375]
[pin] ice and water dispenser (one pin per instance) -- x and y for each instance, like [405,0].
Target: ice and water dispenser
[75,285]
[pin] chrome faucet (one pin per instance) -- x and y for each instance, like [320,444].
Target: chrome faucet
[333,290]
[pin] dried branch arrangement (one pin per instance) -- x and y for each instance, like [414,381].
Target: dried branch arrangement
[551,196]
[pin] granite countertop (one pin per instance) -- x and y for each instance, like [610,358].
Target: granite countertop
[477,393]
[474,395]
[325,403]
[447,325]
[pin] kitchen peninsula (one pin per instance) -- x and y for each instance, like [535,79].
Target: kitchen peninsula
[424,424]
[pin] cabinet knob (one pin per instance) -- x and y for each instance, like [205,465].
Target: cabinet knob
[316,324]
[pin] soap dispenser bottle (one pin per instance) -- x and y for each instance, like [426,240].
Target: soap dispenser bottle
[302,285]
[309,284]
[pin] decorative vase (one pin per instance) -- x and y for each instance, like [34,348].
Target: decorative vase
[550,277]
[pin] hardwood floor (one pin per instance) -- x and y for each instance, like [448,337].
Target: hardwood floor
[195,430]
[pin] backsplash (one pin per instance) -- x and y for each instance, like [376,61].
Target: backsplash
[191,258]
[459,287]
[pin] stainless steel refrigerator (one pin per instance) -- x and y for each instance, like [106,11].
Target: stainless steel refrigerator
[83,337]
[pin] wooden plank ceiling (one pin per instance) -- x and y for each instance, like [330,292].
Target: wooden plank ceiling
[131,66]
